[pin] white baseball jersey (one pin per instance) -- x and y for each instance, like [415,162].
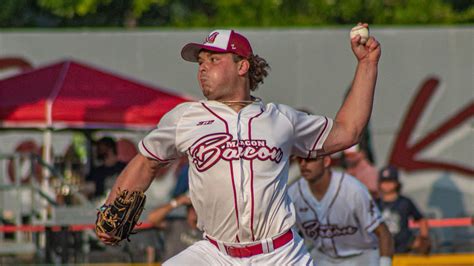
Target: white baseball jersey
[238,163]
[341,224]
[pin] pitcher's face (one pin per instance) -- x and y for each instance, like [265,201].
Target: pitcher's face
[217,75]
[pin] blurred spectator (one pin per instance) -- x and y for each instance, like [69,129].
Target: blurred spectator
[178,237]
[158,215]
[397,210]
[358,165]
[103,176]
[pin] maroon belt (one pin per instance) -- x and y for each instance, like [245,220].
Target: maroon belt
[254,249]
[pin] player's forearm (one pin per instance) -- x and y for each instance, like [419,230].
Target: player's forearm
[355,112]
[357,107]
[424,228]
[158,215]
[386,245]
[137,176]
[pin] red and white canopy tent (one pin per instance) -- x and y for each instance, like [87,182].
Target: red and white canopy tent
[70,94]
[73,95]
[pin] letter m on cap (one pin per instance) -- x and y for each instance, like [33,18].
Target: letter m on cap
[212,37]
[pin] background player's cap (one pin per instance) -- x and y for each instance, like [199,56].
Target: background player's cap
[388,173]
[224,41]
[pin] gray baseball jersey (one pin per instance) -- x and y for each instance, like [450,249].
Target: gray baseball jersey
[342,223]
[238,163]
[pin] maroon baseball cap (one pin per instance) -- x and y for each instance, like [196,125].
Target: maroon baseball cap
[223,41]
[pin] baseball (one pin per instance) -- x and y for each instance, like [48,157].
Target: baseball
[362,31]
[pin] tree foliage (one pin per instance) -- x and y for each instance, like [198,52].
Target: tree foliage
[235,13]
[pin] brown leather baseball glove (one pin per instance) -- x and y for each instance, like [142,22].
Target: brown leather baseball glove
[119,218]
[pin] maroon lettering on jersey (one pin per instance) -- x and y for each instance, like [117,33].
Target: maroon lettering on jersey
[208,150]
[314,229]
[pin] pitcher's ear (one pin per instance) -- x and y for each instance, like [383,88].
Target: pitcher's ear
[327,161]
[244,67]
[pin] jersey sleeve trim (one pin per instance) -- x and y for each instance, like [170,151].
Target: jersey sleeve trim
[318,144]
[320,134]
[144,149]
[374,224]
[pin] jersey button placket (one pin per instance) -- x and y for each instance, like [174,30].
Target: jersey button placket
[239,174]
[244,182]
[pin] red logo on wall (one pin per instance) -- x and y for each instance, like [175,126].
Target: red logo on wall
[405,154]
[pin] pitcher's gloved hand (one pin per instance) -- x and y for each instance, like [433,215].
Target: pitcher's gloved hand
[116,221]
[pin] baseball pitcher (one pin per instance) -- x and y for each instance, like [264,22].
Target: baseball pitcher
[239,147]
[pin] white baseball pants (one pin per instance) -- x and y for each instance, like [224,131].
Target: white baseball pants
[367,258]
[205,253]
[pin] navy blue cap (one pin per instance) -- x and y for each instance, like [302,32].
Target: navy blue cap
[388,173]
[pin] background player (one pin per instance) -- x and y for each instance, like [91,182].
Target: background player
[338,217]
[238,162]
[397,210]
